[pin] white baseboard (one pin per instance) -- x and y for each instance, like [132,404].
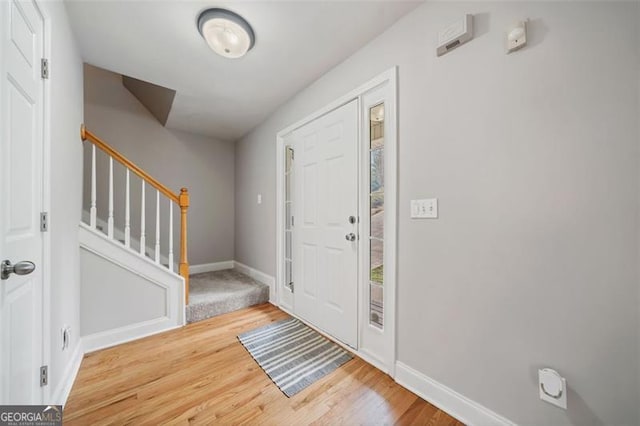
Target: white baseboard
[462,408]
[63,390]
[259,276]
[117,336]
[210,267]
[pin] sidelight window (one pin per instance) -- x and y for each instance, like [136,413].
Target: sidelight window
[288,172]
[376,211]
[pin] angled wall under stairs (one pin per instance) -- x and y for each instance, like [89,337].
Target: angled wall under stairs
[124,295]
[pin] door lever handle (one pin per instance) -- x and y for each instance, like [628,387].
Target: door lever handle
[21,268]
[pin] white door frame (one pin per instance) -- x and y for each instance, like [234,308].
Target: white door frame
[47,343]
[391,205]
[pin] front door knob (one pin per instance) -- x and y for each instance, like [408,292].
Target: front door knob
[21,268]
[350,237]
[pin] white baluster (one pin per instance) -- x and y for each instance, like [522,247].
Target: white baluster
[93,209]
[157,226]
[171,235]
[110,219]
[143,235]
[127,214]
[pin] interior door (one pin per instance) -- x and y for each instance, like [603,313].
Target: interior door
[325,231]
[21,160]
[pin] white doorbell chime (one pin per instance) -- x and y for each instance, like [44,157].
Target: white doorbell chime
[455,35]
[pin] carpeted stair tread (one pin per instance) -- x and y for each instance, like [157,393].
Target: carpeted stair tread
[220,292]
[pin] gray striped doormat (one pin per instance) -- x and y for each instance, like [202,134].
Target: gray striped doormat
[292,354]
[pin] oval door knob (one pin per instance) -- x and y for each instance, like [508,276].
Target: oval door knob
[350,237]
[21,268]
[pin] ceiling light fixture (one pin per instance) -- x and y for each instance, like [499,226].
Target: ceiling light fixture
[227,33]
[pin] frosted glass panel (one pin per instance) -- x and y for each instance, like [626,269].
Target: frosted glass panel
[377,170]
[377,126]
[377,261]
[377,215]
[376,205]
[287,244]
[287,272]
[288,158]
[287,188]
[376,304]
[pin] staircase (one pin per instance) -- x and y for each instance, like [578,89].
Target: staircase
[129,288]
[131,285]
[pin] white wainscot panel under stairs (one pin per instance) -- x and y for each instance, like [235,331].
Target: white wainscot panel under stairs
[124,295]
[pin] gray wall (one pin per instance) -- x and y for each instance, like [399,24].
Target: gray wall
[177,159]
[65,105]
[103,284]
[534,157]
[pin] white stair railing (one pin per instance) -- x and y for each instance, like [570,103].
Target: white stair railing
[127,213]
[143,217]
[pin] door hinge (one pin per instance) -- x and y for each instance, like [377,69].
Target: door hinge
[44,375]
[44,222]
[44,68]
[292,221]
[293,154]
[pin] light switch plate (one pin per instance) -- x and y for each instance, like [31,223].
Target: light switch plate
[424,209]
[259,198]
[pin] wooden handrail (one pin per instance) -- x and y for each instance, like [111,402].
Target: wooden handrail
[87,135]
[181,200]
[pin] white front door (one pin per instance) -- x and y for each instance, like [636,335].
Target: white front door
[325,231]
[21,161]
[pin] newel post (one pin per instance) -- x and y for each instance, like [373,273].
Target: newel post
[184,263]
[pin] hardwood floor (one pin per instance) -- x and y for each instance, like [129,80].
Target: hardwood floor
[201,374]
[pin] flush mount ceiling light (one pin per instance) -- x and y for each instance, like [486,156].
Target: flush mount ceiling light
[227,33]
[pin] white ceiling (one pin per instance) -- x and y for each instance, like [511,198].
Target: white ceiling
[296,42]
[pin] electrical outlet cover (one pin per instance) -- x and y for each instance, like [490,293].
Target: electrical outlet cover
[552,387]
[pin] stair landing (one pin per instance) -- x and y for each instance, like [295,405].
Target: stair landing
[219,292]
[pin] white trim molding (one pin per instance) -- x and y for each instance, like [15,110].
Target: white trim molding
[210,267]
[63,390]
[379,343]
[98,243]
[258,276]
[462,408]
[106,339]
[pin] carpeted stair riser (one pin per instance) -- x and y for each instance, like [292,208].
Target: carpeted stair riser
[220,292]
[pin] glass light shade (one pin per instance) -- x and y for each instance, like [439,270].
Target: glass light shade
[227,33]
